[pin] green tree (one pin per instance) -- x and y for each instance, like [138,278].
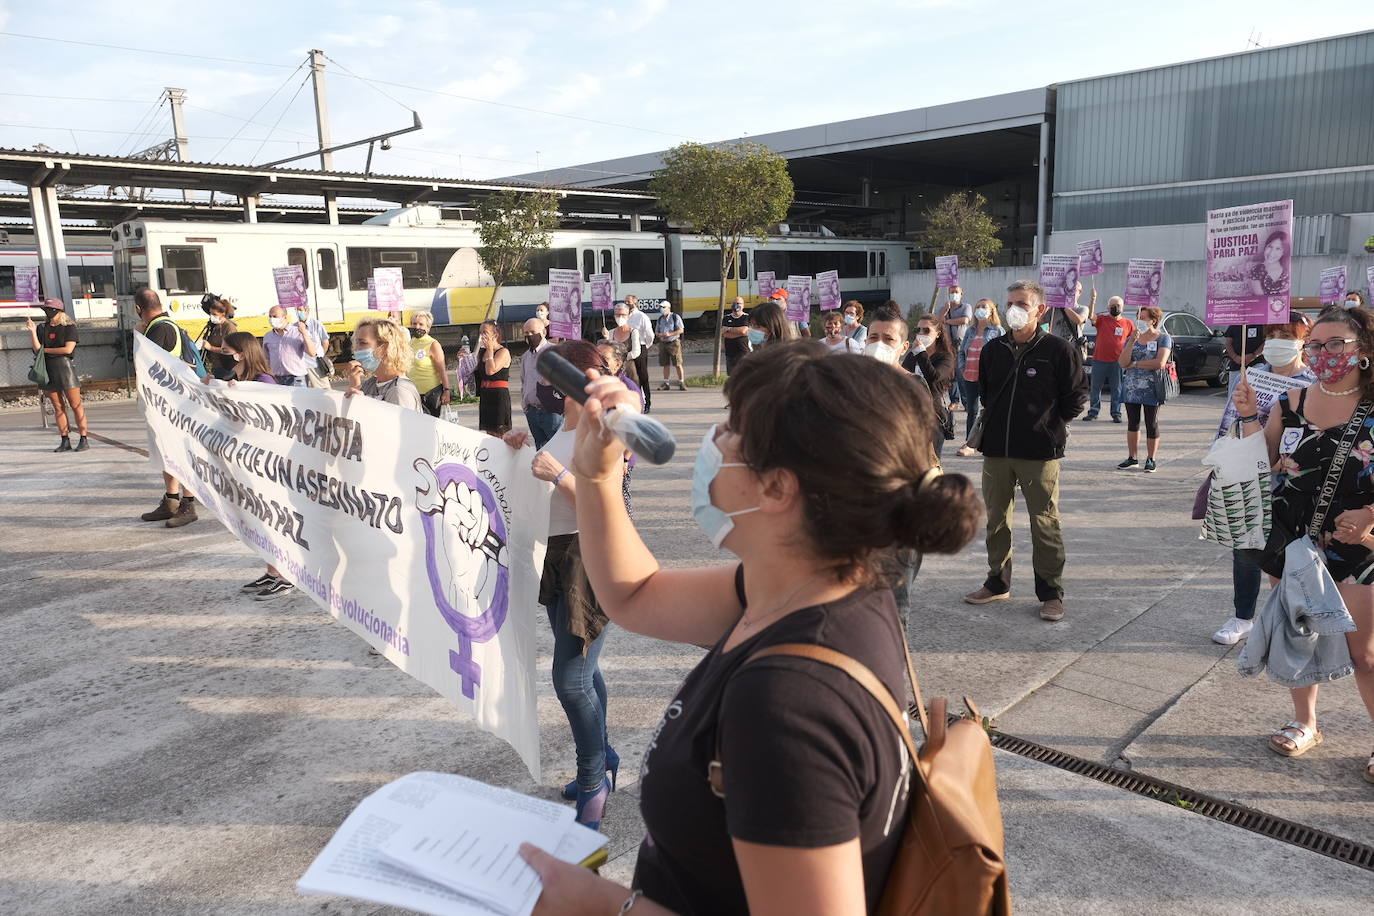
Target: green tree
[960,225]
[724,193]
[510,225]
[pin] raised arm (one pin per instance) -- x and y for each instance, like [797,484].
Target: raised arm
[682,605]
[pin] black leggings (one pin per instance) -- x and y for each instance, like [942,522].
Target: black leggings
[1151,419]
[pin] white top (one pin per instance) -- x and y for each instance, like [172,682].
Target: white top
[641,323]
[562,512]
[843,345]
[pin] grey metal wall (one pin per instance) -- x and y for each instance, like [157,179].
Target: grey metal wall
[1307,106]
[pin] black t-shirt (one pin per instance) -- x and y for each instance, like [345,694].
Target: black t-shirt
[810,759]
[57,335]
[736,346]
[1254,339]
[164,334]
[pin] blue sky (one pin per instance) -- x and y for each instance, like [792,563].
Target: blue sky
[605,79]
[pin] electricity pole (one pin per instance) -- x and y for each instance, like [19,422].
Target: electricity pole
[321,109]
[175,99]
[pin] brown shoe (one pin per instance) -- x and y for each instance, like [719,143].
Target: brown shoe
[984,595]
[1051,610]
[166,508]
[185,514]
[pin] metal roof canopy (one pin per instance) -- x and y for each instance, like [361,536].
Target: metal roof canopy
[42,172]
[224,209]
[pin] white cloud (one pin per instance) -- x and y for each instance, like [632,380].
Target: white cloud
[573,93]
[377,33]
[639,15]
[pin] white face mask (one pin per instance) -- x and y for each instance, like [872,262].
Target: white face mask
[882,352]
[1017,317]
[278,323]
[217,319]
[923,341]
[621,320]
[1280,352]
[851,318]
[542,314]
[982,314]
[956,298]
[1142,325]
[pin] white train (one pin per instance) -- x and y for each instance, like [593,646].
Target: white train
[443,273]
[92,275]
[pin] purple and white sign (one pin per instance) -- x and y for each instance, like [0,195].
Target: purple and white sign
[1144,282]
[768,282]
[1249,263]
[1369,281]
[1331,286]
[1059,279]
[603,292]
[947,270]
[390,286]
[290,282]
[1090,258]
[798,298]
[26,284]
[828,289]
[371,294]
[565,303]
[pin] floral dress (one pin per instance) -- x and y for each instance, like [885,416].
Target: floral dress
[1305,454]
[1141,386]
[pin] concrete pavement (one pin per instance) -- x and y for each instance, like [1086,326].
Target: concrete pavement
[173,747]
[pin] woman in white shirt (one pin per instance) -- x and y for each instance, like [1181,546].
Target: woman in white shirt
[835,337]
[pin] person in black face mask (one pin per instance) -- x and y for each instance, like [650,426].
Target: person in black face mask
[542,403]
[1112,331]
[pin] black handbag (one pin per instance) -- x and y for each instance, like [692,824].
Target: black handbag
[1280,534]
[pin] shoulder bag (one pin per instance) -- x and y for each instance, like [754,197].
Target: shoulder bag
[38,372]
[1280,535]
[950,861]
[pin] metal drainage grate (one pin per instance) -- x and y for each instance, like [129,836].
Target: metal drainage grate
[1349,851]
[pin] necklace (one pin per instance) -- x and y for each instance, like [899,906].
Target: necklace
[1337,394]
[746,623]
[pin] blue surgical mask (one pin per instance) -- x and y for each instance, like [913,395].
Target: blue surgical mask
[368,359]
[715,522]
[756,337]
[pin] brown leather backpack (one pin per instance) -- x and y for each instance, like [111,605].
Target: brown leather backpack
[950,861]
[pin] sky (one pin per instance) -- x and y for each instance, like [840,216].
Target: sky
[506,88]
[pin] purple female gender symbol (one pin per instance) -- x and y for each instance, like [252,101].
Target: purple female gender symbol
[488,623]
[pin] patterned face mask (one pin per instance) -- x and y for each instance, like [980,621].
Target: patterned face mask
[1332,367]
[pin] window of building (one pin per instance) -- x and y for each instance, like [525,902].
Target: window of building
[642,265]
[183,269]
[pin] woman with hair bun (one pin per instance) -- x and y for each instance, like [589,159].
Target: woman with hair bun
[814,780]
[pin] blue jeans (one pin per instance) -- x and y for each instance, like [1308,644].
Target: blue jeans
[542,424]
[292,381]
[1110,373]
[969,390]
[581,690]
[1246,578]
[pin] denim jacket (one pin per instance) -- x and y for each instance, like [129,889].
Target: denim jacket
[1300,634]
[989,333]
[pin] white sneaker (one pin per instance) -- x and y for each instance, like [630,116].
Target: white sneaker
[1233,631]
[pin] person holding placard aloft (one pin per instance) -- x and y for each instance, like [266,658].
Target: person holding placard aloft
[1313,433]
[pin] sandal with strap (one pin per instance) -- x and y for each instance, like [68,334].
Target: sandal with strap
[1369,769]
[1302,738]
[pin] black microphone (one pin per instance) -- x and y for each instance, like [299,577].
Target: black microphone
[645,436]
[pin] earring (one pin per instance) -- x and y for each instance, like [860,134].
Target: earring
[1364,362]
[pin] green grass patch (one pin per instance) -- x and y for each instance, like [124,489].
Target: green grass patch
[705,381]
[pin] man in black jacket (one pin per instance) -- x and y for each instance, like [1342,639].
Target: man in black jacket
[1031,384]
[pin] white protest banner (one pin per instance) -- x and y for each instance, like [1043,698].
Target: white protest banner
[828,289]
[1268,386]
[423,537]
[1090,258]
[798,298]
[1249,261]
[1331,284]
[603,292]
[389,283]
[1059,279]
[290,283]
[1144,282]
[768,282]
[947,270]
[565,303]
[26,284]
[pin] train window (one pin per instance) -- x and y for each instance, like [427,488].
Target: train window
[100,279]
[420,268]
[742,269]
[295,257]
[436,262]
[6,282]
[329,268]
[873,263]
[606,261]
[588,264]
[641,265]
[776,261]
[701,266]
[541,262]
[183,269]
[850,264]
[882,263]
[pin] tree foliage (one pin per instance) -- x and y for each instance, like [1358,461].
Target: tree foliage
[511,225]
[724,193]
[960,225]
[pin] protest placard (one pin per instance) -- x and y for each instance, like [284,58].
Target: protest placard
[1331,285]
[947,270]
[290,283]
[27,284]
[798,298]
[1249,252]
[768,282]
[390,287]
[1144,282]
[1090,258]
[565,303]
[1059,279]
[603,292]
[424,538]
[828,289]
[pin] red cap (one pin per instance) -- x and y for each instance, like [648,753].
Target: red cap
[779,294]
[54,304]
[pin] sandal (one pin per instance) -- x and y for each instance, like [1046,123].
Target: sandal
[1301,737]
[1369,769]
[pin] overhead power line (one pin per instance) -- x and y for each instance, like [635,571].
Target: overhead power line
[96,44]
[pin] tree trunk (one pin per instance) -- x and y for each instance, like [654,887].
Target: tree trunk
[491,306]
[933,297]
[727,258]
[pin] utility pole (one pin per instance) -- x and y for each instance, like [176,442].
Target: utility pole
[175,99]
[321,108]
